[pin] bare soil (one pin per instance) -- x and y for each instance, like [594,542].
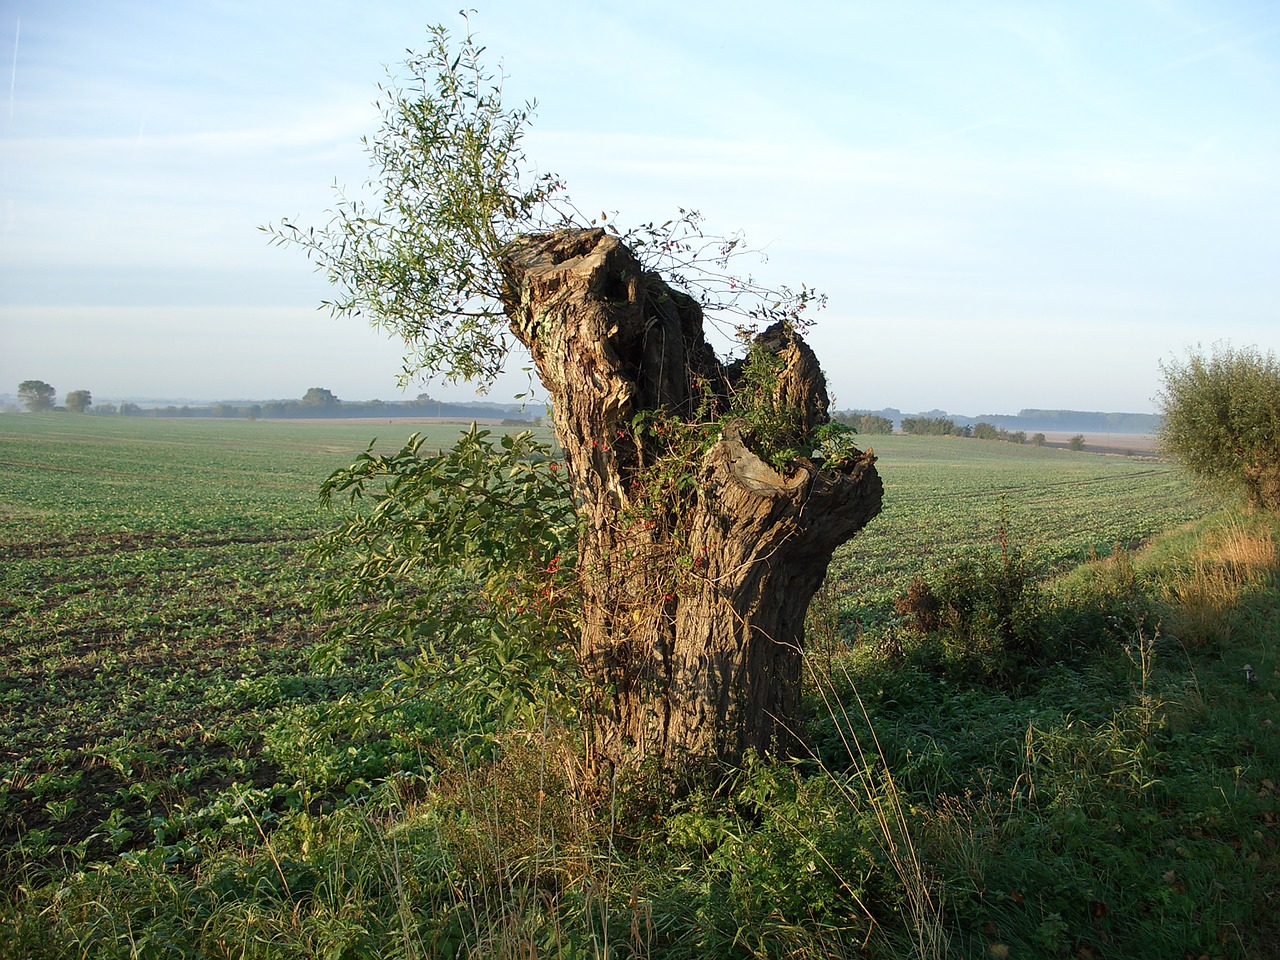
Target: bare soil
[1124,444]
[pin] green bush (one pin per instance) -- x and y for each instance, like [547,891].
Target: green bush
[864,423]
[988,431]
[873,423]
[466,555]
[1222,421]
[983,613]
[998,618]
[933,427]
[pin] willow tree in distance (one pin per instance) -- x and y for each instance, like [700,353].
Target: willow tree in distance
[710,494]
[36,395]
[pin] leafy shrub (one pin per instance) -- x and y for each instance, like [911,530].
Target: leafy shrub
[994,591]
[467,556]
[835,443]
[998,617]
[986,610]
[933,427]
[777,429]
[1222,421]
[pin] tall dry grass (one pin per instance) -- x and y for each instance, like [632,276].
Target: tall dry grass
[1233,562]
[873,785]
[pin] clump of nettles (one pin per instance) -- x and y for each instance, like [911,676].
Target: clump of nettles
[835,444]
[775,429]
[778,432]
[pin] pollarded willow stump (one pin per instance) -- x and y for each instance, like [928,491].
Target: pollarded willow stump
[696,574]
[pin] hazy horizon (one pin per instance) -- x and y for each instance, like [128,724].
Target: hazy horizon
[1008,205]
[149,402]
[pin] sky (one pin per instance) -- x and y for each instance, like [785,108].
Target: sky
[1008,204]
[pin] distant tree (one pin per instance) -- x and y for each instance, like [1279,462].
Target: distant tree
[104,408]
[78,401]
[864,422]
[872,423]
[319,397]
[130,410]
[1038,439]
[37,395]
[933,427]
[1077,442]
[1222,421]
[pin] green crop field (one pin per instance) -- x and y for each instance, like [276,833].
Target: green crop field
[162,724]
[154,609]
[155,590]
[945,496]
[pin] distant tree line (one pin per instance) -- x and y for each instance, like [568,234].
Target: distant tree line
[38,396]
[946,427]
[1063,421]
[989,431]
[317,403]
[935,427]
[869,423]
[1028,420]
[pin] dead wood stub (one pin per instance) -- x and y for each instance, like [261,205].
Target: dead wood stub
[693,620]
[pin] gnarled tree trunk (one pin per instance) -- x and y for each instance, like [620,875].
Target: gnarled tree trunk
[696,572]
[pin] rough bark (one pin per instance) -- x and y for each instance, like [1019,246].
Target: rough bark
[696,573]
